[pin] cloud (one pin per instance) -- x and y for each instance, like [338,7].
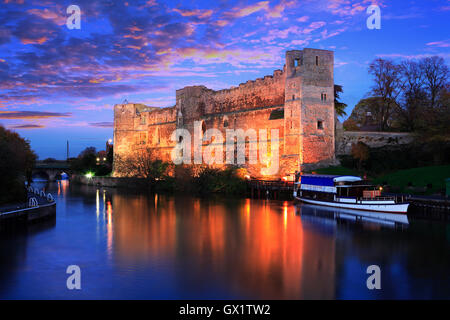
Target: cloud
[49,15]
[31,115]
[440,44]
[201,14]
[350,7]
[27,126]
[412,56]
[303,19]
[278,10]
[247,10]
[102,124]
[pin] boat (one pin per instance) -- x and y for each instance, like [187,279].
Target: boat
[346,192]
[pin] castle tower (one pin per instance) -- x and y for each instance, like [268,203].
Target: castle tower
[292,111]
[309,109]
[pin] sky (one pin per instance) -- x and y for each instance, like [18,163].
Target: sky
[59,84]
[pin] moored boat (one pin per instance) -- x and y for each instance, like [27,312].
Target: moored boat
[347,192]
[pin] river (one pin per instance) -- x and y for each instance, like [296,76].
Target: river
[132,245]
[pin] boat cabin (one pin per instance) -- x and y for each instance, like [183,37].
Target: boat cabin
[332,187]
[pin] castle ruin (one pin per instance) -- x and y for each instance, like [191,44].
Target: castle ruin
[298,101]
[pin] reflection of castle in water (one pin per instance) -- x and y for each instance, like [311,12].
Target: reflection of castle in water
[258,249]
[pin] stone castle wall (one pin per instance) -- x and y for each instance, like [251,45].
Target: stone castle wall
[296,92]
[345,139]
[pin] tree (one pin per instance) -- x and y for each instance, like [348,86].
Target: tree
[360,152]
[16,162]
[409,96]
[338,105]
[350,125]
[367,110]
[386,88]
[436,75]
[86,161]
[413,97]
[142,164]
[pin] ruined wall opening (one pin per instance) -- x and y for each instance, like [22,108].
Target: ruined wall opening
[320,124]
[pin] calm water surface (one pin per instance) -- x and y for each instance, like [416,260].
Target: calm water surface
[139,246]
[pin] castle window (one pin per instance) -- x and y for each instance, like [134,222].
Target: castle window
[317,60]
[277,114]
[293,97]
[323,97]
[225,122]
[320,124]
[296,62]
[180,139]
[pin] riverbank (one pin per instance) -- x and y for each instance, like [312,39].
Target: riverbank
[110,182]
[40,206]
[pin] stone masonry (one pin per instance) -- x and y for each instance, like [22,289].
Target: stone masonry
[298,101]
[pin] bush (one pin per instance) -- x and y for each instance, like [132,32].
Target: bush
[206,180]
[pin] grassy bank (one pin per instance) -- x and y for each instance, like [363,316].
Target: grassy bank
[420,178]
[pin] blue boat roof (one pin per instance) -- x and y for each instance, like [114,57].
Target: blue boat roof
[326,180]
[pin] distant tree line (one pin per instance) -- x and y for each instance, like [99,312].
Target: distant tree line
[90,161]
[412,96]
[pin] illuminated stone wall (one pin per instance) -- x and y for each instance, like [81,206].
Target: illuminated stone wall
[296,93]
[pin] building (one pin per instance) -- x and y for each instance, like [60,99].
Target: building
[298,101]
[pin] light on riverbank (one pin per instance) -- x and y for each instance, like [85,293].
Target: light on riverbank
[89,175]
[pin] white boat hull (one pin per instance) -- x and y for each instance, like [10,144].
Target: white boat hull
[370,206]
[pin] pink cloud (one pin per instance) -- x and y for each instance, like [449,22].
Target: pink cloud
[303,19]
[48,15]
[439,44]
[195,13]
[247,10]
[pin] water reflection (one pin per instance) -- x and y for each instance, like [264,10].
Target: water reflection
[258,249]
[134,245]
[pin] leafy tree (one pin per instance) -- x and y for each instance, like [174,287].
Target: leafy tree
[338,105]
[86,161]
[368,108]
[360,152]
[350,125]
[16,163]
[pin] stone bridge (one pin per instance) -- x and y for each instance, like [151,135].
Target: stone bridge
[50,171]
